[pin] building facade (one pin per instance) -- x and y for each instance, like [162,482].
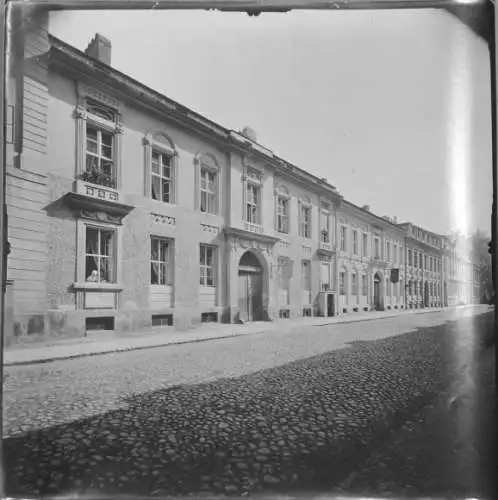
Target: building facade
[424,271]
[128,211]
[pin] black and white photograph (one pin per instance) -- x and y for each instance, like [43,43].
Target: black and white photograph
[248,253]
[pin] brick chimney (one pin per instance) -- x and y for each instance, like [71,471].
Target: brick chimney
[100,48]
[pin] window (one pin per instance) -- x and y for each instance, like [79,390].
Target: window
[100,261]
[342,283]
[420,261]
[364,285]
[343,238]
[355,242]
[284,278]
[160,261]
[305,225]
[388,249]
[365,245]
[208,190]
[207,265]
[376,248]
[306,275]
[409,257]
[400,255]
[415,259]
[252,204]
[354,284]
[325,227]
[207,184]
[395,253]
[282,215]
[324,275]
[100,148]
[161,177]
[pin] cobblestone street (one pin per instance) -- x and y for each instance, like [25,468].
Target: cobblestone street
[270,412]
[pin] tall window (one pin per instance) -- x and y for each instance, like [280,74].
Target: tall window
[415,262]
[252,203]
[100,165]
[343,238]
[342,283]
[376,248]
[400,255]
[282,214]
[253,180]
[365,245]
[325,227]
[325,275]
[306,275]
[284,278]
[364,285]
[395,253]
[100,262]
[208,190]
[160,261]
[409,257]
[305,223]
[354,284]
[355,242]
[207,265]
[388,249]
[161,177]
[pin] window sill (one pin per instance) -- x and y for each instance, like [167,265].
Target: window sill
[106,287]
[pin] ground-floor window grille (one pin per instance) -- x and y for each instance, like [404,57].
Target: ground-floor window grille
[210,317]
[162,320]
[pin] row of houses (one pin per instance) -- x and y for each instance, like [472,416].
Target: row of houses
[128,210]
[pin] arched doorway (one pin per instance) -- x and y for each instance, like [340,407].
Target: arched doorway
[250,288]
[377,294]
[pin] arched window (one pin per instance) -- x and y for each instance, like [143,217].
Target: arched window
[207,184]
[161,176]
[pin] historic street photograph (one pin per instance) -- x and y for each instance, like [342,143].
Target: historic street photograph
[248,254]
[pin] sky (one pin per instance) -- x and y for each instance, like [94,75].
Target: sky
[391,107]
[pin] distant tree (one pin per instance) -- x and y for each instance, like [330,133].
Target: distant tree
[480,250]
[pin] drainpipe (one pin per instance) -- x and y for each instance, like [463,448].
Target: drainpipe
[406,271]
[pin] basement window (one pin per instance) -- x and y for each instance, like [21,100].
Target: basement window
[210,317]
[162,320]
[99,323]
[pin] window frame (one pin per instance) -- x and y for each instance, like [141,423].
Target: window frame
[169,263]
[325,215]
[252,178]
[205,266]
[165,147]
[355,242]
[208,163]
[282,210]
[305,206]
[365,245]
[84,118]
[342,282]
[81,236]
[112,258]
[343,238]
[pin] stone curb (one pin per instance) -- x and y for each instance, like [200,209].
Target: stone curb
[206,339]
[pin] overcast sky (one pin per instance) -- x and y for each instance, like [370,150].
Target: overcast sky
[392,107]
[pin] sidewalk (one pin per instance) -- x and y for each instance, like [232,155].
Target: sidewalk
[89,346]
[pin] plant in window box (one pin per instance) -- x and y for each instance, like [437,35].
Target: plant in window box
[366,308]
[355,308]
[97,175]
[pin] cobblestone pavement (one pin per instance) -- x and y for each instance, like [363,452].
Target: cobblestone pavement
[271,412]
[447,449]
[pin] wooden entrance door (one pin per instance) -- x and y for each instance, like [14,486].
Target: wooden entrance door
[250,296]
